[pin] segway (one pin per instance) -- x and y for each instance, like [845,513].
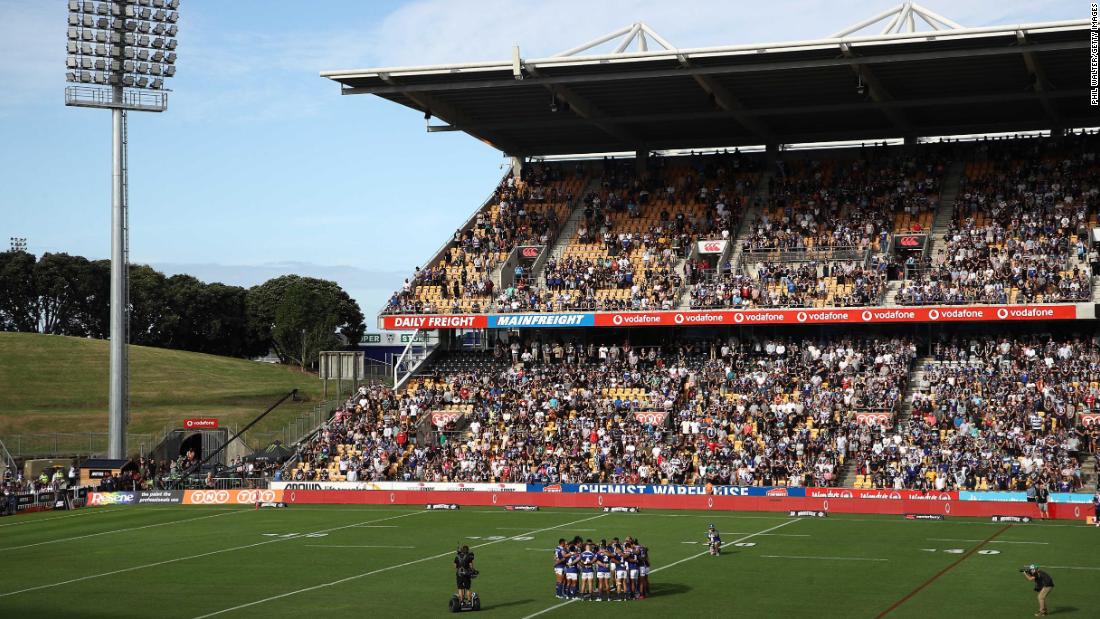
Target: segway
[456,605]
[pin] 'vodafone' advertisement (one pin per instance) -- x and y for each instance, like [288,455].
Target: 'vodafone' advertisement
[949,313]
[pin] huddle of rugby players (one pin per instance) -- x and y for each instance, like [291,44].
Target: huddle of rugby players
[602,572]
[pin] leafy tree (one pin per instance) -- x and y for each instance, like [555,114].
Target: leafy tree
[18,292]
[300,316]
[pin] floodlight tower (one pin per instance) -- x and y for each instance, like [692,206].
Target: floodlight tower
[120,52]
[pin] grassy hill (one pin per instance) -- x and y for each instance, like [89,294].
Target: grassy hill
[52,383]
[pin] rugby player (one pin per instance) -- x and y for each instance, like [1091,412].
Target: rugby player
[643,570]
[714,539]
[603,571]
[587,562]
[572,571]
[559,568]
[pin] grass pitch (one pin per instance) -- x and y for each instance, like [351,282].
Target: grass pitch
[342,561]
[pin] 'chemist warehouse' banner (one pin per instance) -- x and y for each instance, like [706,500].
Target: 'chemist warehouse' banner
[950,313]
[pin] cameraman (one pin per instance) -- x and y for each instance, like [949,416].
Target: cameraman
[1043,584]
[464,571]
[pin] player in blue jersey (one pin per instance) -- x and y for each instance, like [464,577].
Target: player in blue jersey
[559,568]
[572,571]
[632,564]
[643,570]
[714,541]
[603,571]
[618,554]
[588,571]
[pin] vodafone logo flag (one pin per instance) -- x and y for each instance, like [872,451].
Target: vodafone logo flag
[201,423]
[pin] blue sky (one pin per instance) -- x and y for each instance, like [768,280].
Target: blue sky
[260,168]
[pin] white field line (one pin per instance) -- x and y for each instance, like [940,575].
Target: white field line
[383,569]
[1070,567]
[376,526]
[822,558]
[996,541]
[198,556]
[83,512]
[145,526]
[673,564]
[342,546]
[525,528]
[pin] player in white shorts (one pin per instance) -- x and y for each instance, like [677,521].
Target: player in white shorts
[559,569]
[603,572]
[588,572]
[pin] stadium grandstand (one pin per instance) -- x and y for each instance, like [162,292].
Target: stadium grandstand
[776,265]
[808,293]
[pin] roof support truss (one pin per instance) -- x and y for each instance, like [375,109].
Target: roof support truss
[595,116]
[1039,77]
[876,90]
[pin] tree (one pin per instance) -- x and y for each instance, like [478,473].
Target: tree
[300,316]
[150,316]
[72,295]
[18,292]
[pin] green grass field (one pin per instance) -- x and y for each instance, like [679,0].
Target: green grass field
[348,561]
[59,384]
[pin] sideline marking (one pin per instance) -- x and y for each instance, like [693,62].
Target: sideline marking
[383,569]
[822,558]
[943,539]
[1069,567]
[673,564]
[945,570]
[198,556]
[146,526]
[89,512]
[339,546]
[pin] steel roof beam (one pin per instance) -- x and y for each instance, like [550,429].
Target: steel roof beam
[1040,77]
[793,110]
[721,70]
[443,111]
[875,88]
[586,110]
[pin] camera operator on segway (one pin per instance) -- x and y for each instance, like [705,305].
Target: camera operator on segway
[464,573]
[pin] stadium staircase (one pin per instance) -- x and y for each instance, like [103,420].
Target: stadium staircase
[1091,474]
[942,223]
[916,383]
[744,231]
[569,230]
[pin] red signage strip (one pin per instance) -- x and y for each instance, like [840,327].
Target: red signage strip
[949,313]
[201,423]
[827,500]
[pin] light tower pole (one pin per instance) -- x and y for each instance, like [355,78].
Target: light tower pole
[120,52]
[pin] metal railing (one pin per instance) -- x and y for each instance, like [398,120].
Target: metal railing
[803,254]
[45,445]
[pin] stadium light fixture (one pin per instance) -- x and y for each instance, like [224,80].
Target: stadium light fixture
[18,243]
[120,54]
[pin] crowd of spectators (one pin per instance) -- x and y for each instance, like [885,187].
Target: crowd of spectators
[795,284]
[523,211]
[769,411]
[996,413]
[847,203]
[1019,228]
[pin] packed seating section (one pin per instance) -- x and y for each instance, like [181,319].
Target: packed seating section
[1019,231]
[986,413]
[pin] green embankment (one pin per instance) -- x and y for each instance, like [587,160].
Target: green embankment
[52,384]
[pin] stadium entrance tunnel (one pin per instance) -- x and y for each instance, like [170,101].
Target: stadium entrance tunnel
[178,442]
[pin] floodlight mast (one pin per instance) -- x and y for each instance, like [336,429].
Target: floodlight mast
[110,48]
